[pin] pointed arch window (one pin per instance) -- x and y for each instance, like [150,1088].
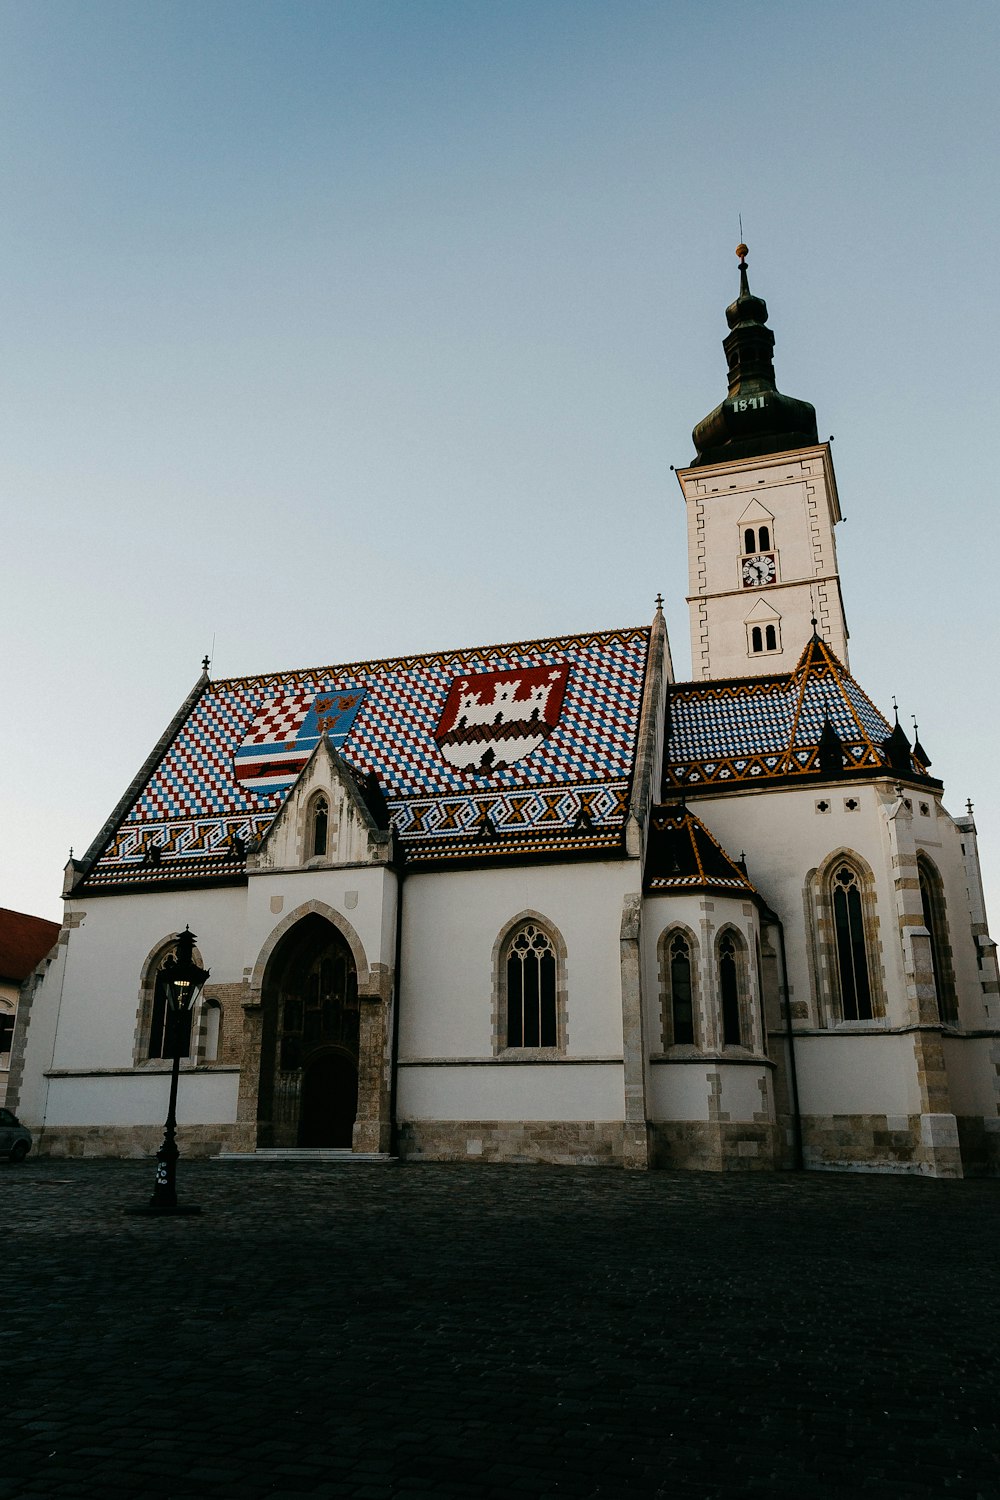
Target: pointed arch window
[935,920]
[677,970]
[531,989]
[853,972]
[730,991]
[319,827]
[169,1030]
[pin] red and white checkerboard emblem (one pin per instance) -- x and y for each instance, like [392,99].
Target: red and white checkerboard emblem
[493,719]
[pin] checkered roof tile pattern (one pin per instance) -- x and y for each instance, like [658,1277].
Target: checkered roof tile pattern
[194,801]
[771,725]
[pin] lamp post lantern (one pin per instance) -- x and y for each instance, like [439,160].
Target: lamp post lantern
[183,981]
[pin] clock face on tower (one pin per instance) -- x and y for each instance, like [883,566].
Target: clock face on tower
[758,570]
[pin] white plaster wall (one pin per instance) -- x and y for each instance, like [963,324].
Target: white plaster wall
[841,1074]
[785,837]
[203,1098]
[972,1075]
[511,1091]
[364,895]
[451,923]
[43,1017]
[678,1091]
[741,1096]
[105,957]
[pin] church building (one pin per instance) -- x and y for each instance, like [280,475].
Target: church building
[544,901]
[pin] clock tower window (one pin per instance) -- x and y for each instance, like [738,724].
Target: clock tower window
[756,539]
[763,637]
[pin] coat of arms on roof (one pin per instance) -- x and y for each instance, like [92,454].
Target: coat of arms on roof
[287,730]
[492,719]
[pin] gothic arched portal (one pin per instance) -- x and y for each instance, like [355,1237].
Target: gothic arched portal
[308,1094]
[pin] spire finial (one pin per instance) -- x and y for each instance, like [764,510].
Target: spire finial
[968,806]
[743,251]
[205,664]
[659,604]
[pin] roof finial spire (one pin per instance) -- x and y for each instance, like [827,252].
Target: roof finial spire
[205,664]
[659,604]
[742,252]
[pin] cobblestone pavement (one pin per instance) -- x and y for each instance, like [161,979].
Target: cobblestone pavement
[383,1330]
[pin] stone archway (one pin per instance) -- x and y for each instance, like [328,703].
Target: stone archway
[269,1114]
[309,1040]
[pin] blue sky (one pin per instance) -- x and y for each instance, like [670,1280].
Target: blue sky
[338,330]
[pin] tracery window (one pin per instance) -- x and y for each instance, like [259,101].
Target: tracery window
[530,971]
[853,973]
[730,991]
[932,902]
[677,971]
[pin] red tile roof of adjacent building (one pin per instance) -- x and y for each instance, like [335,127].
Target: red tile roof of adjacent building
[24,942]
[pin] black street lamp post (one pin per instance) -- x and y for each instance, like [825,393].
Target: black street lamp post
[183,981]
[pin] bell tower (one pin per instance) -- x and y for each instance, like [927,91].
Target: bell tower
[762,505]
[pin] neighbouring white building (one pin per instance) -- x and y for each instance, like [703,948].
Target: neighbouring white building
[544,902]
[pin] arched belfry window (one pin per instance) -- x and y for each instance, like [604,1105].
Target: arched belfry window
[851,948]
[935,920]
[756,640]
[730,991]
[319,827]
[677,970]
[756,539]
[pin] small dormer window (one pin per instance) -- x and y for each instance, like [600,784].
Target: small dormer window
[320,827]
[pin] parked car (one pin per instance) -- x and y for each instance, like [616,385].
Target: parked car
[15,1138]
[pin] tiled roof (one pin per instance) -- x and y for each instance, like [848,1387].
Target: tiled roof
[682,855]
[24,942]
[759,728]
[540,735]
